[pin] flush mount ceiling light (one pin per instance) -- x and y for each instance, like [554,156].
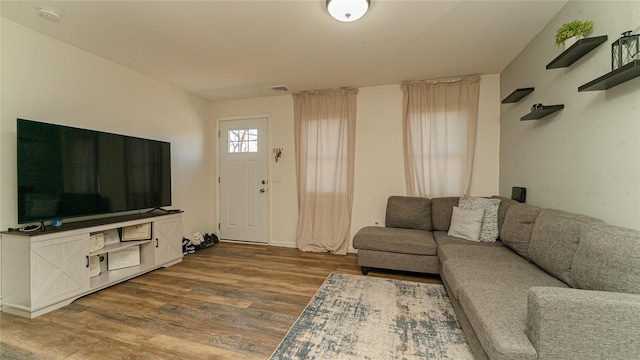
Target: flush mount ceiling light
[347,10]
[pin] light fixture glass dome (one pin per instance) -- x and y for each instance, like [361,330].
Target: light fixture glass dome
[347,10]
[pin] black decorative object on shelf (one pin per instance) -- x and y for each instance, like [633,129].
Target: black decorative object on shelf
[517,95]
[535,107]
[625,50]
[541,111]
[576,51]
[616,77]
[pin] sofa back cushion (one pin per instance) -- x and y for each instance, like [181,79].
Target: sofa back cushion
[517,227]
[505,204]
[441,210]
[554,240]
[408,212]
[607,259]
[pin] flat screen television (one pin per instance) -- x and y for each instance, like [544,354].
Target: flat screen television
[66,172]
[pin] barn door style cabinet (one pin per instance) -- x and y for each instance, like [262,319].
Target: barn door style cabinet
[46,270]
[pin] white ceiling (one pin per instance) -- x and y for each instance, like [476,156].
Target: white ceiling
[236,49]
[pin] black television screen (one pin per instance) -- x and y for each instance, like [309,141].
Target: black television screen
[68,172]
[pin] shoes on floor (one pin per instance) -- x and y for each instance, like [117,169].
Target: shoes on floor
[185,245]
[198,242]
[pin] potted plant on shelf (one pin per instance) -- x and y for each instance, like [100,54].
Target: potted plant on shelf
[571,32]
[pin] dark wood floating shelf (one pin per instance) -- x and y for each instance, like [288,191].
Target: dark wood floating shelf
[616,77]
[542,112]
[581,48]
[517,95]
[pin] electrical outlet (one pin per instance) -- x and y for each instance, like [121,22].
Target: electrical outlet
[376,223]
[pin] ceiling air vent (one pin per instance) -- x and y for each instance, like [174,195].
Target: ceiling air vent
[49,14]
[279,88]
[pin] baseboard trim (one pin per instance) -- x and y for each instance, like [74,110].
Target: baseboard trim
[243,242]
[284,244]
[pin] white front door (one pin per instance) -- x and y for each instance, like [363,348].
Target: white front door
[243,180]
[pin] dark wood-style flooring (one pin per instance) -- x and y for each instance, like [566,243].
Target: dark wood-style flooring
[230,301]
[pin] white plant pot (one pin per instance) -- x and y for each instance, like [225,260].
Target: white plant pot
[570,41]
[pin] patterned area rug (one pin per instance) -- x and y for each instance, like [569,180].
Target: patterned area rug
[360,317]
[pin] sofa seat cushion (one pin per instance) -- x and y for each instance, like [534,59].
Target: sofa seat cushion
[492,254]
[395,240]
[442,238]
[498,316]
[521,275]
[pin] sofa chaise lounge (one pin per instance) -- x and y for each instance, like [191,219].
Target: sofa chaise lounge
[555,285]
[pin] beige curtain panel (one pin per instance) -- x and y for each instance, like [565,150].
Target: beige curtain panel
[325,124]
[439,124]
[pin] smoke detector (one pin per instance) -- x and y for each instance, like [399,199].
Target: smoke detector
[49,14]
[279,88]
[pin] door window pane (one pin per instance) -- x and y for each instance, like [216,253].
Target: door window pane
[243,140]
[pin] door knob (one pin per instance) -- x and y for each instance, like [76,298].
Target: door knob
[262,190]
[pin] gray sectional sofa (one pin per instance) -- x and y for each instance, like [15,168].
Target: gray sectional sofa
[556,285]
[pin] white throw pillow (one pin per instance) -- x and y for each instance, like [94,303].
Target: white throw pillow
[489,229]
[466,223]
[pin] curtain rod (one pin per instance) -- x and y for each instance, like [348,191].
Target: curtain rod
[321,90]
[443,80]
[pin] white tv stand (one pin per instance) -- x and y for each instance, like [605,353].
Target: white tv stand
[46,270]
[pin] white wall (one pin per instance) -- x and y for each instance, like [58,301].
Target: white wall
[47,80]
[585,158]
[486,162]
[379,161]
[379,168]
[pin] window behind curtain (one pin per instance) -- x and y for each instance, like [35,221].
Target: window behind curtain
[325,157]
[439,132]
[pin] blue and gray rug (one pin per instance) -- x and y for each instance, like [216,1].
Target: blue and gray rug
[361,317]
